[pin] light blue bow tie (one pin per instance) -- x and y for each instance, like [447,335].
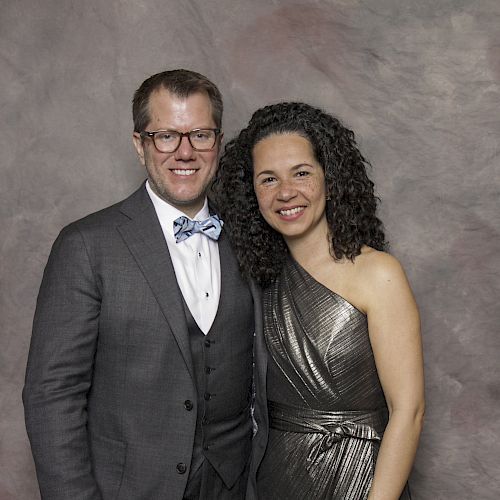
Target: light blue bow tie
[185,227]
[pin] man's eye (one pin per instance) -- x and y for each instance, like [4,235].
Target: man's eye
[165,137]
[202,136]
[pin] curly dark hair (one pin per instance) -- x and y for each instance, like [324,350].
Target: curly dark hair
[350,207]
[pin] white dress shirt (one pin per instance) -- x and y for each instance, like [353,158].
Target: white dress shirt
[196,263]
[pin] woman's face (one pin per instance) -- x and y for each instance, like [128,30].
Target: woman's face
[290,185]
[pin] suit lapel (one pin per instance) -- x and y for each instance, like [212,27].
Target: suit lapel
[230,277]
[224,274]
[144,238]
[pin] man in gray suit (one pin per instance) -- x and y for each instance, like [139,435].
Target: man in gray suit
[140,374]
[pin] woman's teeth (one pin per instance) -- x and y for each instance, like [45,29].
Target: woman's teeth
[292,211]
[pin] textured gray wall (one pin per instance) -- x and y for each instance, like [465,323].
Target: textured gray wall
[419,82]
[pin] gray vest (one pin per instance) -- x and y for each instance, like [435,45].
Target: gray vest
[222,362]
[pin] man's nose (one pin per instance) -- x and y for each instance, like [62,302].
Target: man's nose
[185,151]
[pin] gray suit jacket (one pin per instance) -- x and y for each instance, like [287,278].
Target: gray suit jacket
[110,368]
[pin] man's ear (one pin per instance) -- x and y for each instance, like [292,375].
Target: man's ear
[139,146]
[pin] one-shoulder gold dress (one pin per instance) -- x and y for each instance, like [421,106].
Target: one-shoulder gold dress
[326,406]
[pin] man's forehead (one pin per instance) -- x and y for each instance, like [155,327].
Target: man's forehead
[166,95]
[167,108]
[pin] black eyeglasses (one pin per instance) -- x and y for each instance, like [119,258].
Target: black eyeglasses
[168,141]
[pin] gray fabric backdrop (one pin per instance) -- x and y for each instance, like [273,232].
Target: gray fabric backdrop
[418,81]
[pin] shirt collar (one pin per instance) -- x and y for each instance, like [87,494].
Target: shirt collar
[168,213]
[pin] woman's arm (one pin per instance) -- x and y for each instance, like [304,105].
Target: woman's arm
[394,327]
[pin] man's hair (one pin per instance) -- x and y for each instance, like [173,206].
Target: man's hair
[179,82]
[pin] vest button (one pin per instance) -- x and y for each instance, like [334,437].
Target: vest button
[207,396]
[207,343]
[208,369]
[188,405]
[181,468]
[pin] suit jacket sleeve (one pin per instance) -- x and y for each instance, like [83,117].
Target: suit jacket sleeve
[59,371]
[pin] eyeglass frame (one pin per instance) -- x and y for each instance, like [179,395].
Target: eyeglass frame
[151,135]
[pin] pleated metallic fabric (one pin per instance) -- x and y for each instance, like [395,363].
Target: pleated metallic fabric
[326,406]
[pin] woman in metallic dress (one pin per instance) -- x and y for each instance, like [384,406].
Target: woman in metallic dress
[345,372]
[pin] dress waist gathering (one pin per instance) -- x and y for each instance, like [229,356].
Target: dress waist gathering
[331,426]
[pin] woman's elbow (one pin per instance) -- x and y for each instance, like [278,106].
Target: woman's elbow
[419,414]
[413,415]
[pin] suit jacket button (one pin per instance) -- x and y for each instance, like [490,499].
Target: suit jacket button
[188,405]
[181,468]
[207,396]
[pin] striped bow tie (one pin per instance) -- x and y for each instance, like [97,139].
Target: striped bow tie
[185,227]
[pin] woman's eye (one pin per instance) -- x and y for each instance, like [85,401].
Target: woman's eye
[302,173]
[267,180]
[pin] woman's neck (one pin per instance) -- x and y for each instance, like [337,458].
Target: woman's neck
[310,251]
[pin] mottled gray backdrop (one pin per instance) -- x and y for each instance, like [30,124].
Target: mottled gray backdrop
[419,82]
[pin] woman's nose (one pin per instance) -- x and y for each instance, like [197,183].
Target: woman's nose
[287,191]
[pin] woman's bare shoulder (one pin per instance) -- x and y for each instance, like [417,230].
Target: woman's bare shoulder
[379,268]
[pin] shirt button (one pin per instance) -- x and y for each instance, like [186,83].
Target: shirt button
[207,396]
[188,405]
[181,468]
[207,295]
